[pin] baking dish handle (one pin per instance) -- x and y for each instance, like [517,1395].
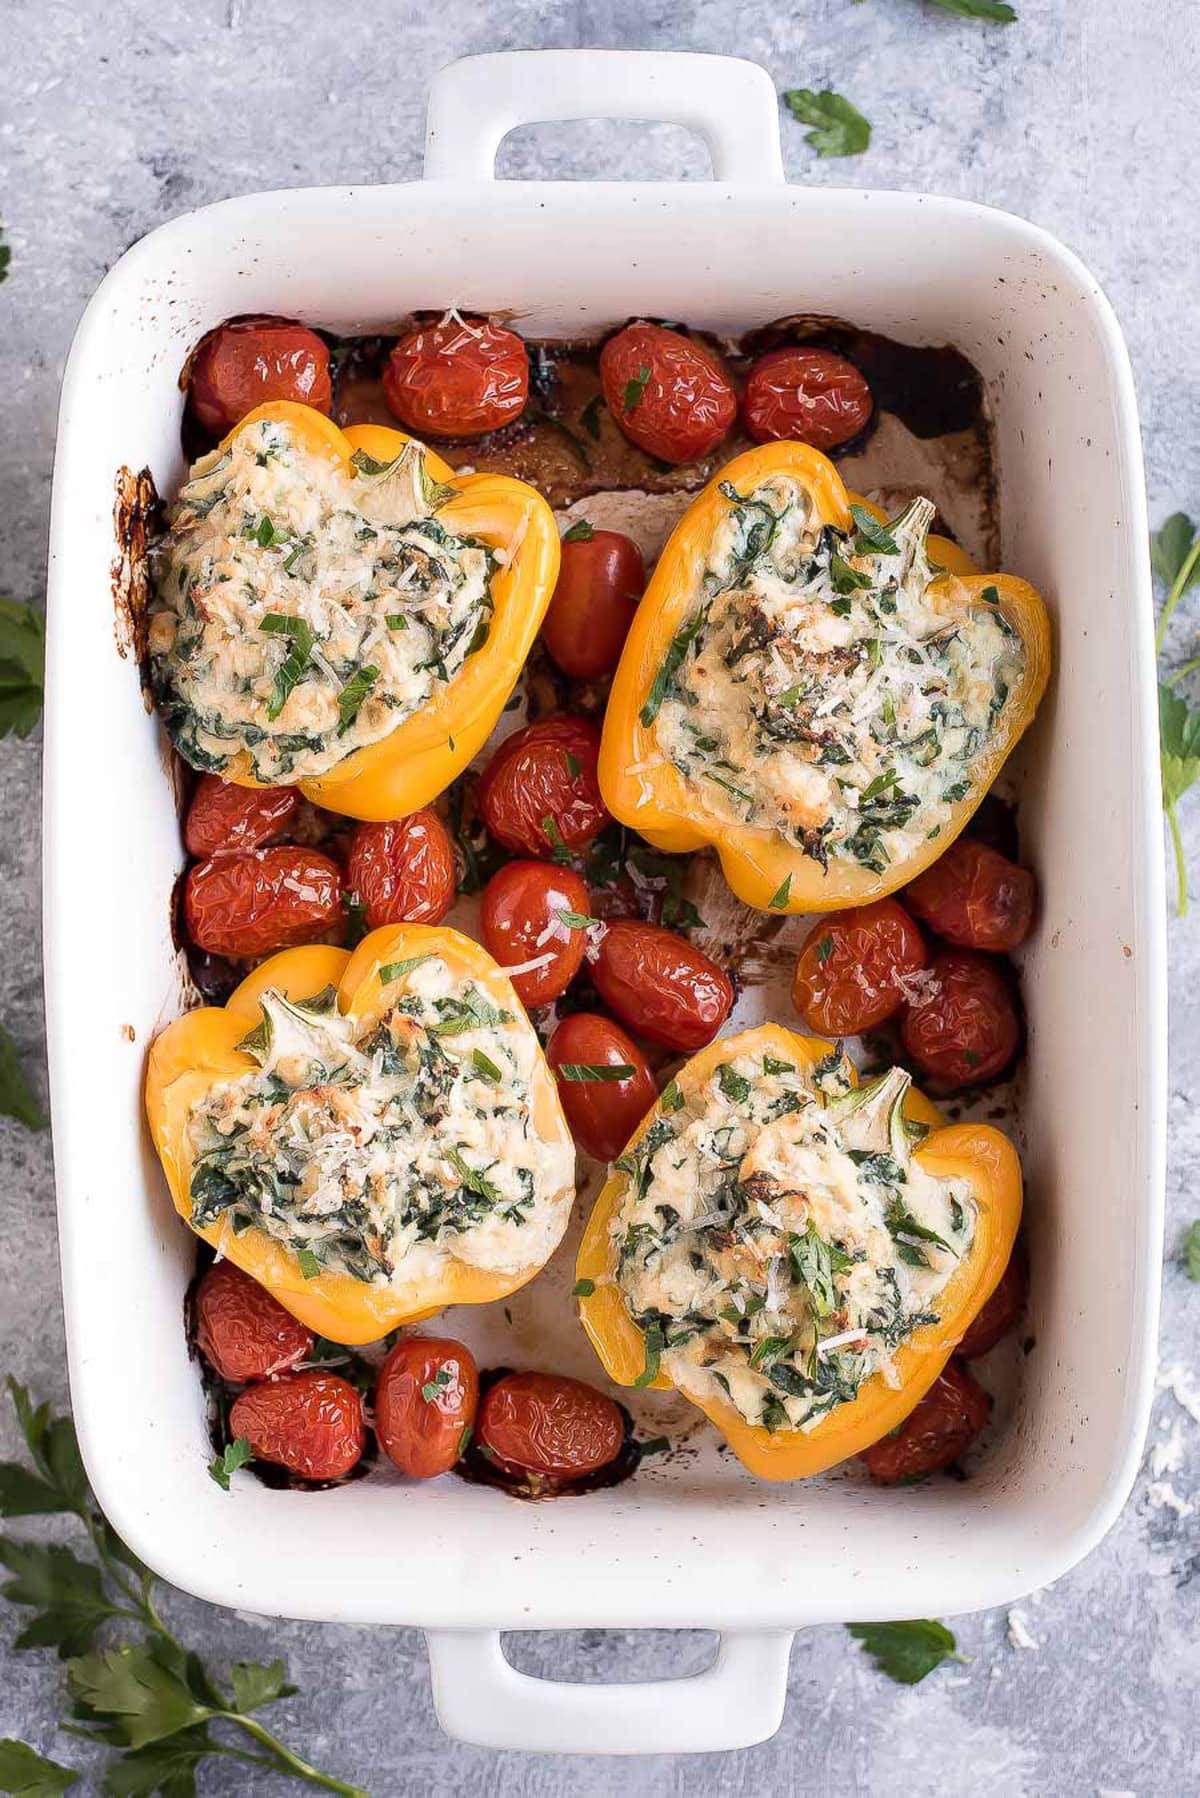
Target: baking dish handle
[474,103]
[481,1697]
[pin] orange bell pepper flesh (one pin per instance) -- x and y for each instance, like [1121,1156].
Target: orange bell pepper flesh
[668,811]
[200,1049]
[418,759]
[973,1152]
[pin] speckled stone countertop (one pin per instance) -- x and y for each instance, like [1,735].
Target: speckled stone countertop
[114,118]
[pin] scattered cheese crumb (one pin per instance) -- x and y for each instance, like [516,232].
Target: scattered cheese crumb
[1163,1497]
[1180,1382]
[1018,1634]
[1167,1457]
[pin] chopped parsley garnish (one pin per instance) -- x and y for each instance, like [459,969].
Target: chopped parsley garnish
[351,697]
[484,1065]
[779,900]
[473,1179]
[583,1289]
[655,1343]
[672,1098]
[580,532]
[431,1390]
[595,1073]
[575,920]
[873,538]
[310,1267]
[671,663]
[292,669]
[395,970]
[735,1086]
[234,1455]
[631,399]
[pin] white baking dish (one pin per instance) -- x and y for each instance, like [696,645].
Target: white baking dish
[695,1541]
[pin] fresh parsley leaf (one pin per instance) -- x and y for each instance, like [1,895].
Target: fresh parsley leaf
[395,970]
[26,1772]
[255,1684]
[779,901]
[22,667]
[144,1699]
[1191,1249]
[825,948]
[233,1455]
[670,665]
[463,1441]
[1175,555]
[310,1266]
[839,129]
[654,1348]
[433,1387]
[773,1065]
[583,1289]
[735,1086]
[906,1652]
[1179,740]
[485,1066]
[351,697]
[167,1767]
[580,532]
[16,1095]
[671,1098]
[574,765]
[991,594]
[472,1179]
[631,398]
[66,1593]
[553,836]
[575,920]
[301,639]
[844,578]
[873,537]
[995,12]
[595,1073]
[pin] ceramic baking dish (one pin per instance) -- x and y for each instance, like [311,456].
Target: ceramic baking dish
[695,1542]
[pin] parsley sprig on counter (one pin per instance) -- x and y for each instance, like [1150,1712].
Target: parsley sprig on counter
[144,1694]
[1175,554]
[839,129]
[907,1651]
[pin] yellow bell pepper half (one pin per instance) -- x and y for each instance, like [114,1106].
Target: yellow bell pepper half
[646,792]
[973,1152]
[414,763]
[200,1049]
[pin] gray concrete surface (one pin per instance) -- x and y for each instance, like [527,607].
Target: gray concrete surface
[113,118]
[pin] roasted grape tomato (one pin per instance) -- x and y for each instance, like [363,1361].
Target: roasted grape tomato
[855,968]
[533,911]
[460,378]
[548,1425]
[1001,1312]
[402,872]
[222,816]
[661,985]
[805,396]
[311,1423]
[539,794]
[605,1085]
[975,897]
[242,1331]
[669,395]
[244,364]
[260,900]
[426,1393]
[964,1027]
[940,1428]
[600,581]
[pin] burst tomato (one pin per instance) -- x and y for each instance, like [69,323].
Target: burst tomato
[242,365]
[243,1332]
[600,581]
[260,900]
[549,1425]
[222,816]
[426,1393]
[661,985]
[603,1112]
[540,793]
[403,871]
[669,395]
[964,1029]
[807,396]
[311,1423]
[459,378]
[534,911]
[940,1428]
[1000,1314]
[852,969]
[975,897]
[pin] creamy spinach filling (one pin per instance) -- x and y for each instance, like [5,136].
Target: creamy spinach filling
[302,611]
[819,689]
[778,1241]
[376,1150]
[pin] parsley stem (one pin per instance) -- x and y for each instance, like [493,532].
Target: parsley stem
[299,1769]
[1182,673]
[1178,587]
[1181,897]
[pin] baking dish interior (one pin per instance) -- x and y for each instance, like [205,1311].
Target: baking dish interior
[694,1539]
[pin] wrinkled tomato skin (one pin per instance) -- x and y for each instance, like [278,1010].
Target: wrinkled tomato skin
[600,581]
[661,986]
[965,1029]
[544,771]
[975,898]
[260,900]
[850,971]
[685,405]
[547,1424]
[402,872]
[602,1114]
[424,1436]
[223,817]
[999,1316]
[521,902]
[940,1428]
[242,365]
[243,1332]
[311,1423]
[457,378]
[805,396]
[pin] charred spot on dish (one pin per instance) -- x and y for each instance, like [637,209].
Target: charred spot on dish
[137,519]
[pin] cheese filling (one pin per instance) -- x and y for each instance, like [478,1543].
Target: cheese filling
[381,1148]
[818,689]
[302,611]
[778,1241]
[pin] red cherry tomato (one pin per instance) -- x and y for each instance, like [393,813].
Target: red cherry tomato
[669,395]
[259,900]
[852,968]
[425,1398]
[242,365]
[603,1114]
[223,817]
[403,871]
[940,1428]
[243,1332]
[460,378]
[600,581]
[311,1423]
[544,1423]
[522,919]
[807,396]
[661,985]
[964,1029]
[975,897]
[1000,1314]
[540,793]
